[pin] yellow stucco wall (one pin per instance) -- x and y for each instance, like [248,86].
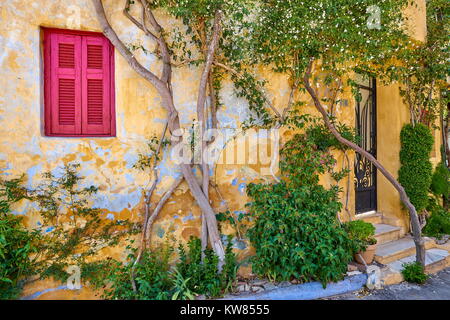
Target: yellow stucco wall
[107,162]
[392,115]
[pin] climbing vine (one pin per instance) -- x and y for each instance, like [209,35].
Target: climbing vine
[73,231]
[70,231]
[425,66]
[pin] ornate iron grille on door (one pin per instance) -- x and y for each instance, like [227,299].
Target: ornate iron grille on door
[366,126]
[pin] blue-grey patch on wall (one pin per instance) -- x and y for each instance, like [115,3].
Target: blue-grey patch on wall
[159,120]
[129,178]
[130,157]
[32,172]
[101,152]
[49,229]
[230,172]
[160,232]
[242,187]
[189,217]
[118,202]
[239,244]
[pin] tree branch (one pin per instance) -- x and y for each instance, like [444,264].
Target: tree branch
[149,224]
[420,249]
[236,73]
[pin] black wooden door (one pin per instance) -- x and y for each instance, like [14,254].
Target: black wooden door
[366,126]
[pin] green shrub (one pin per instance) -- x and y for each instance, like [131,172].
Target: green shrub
[440,183]
[438,224]
[204,277]
[16,242]
[321,136]
[181,287]
[295,231]
[414,272]
[416,169]
[157,279]
[152,276]
[362,233]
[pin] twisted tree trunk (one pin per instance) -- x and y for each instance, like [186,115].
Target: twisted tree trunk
[202,117]
[416,229]
[163,86]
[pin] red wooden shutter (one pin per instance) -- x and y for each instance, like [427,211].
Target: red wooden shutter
[96,86]
[65,84]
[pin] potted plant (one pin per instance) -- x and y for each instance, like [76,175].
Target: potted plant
[362,235]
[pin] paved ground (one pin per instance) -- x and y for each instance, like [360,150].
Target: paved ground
[436,288]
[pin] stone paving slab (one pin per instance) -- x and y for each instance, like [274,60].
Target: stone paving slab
[307,291]
[436,288]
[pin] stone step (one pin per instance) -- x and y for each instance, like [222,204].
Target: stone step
[394,250]
[374,218]
[386,233]
[435,261]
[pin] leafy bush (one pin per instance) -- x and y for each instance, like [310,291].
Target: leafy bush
[295,232]
[181,288]
[152,276]
[204,277]
[16,242]
[438,224]
[414,272]
[416,169]
[440,183]
[362,233]
[321,136]
[157,279]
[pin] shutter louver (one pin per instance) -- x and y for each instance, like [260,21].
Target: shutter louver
[95,57]
[66,55]
[65,84]
[96,86]
[95,101]
[66,97]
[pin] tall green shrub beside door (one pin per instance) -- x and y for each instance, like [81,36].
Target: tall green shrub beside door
[416,170]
